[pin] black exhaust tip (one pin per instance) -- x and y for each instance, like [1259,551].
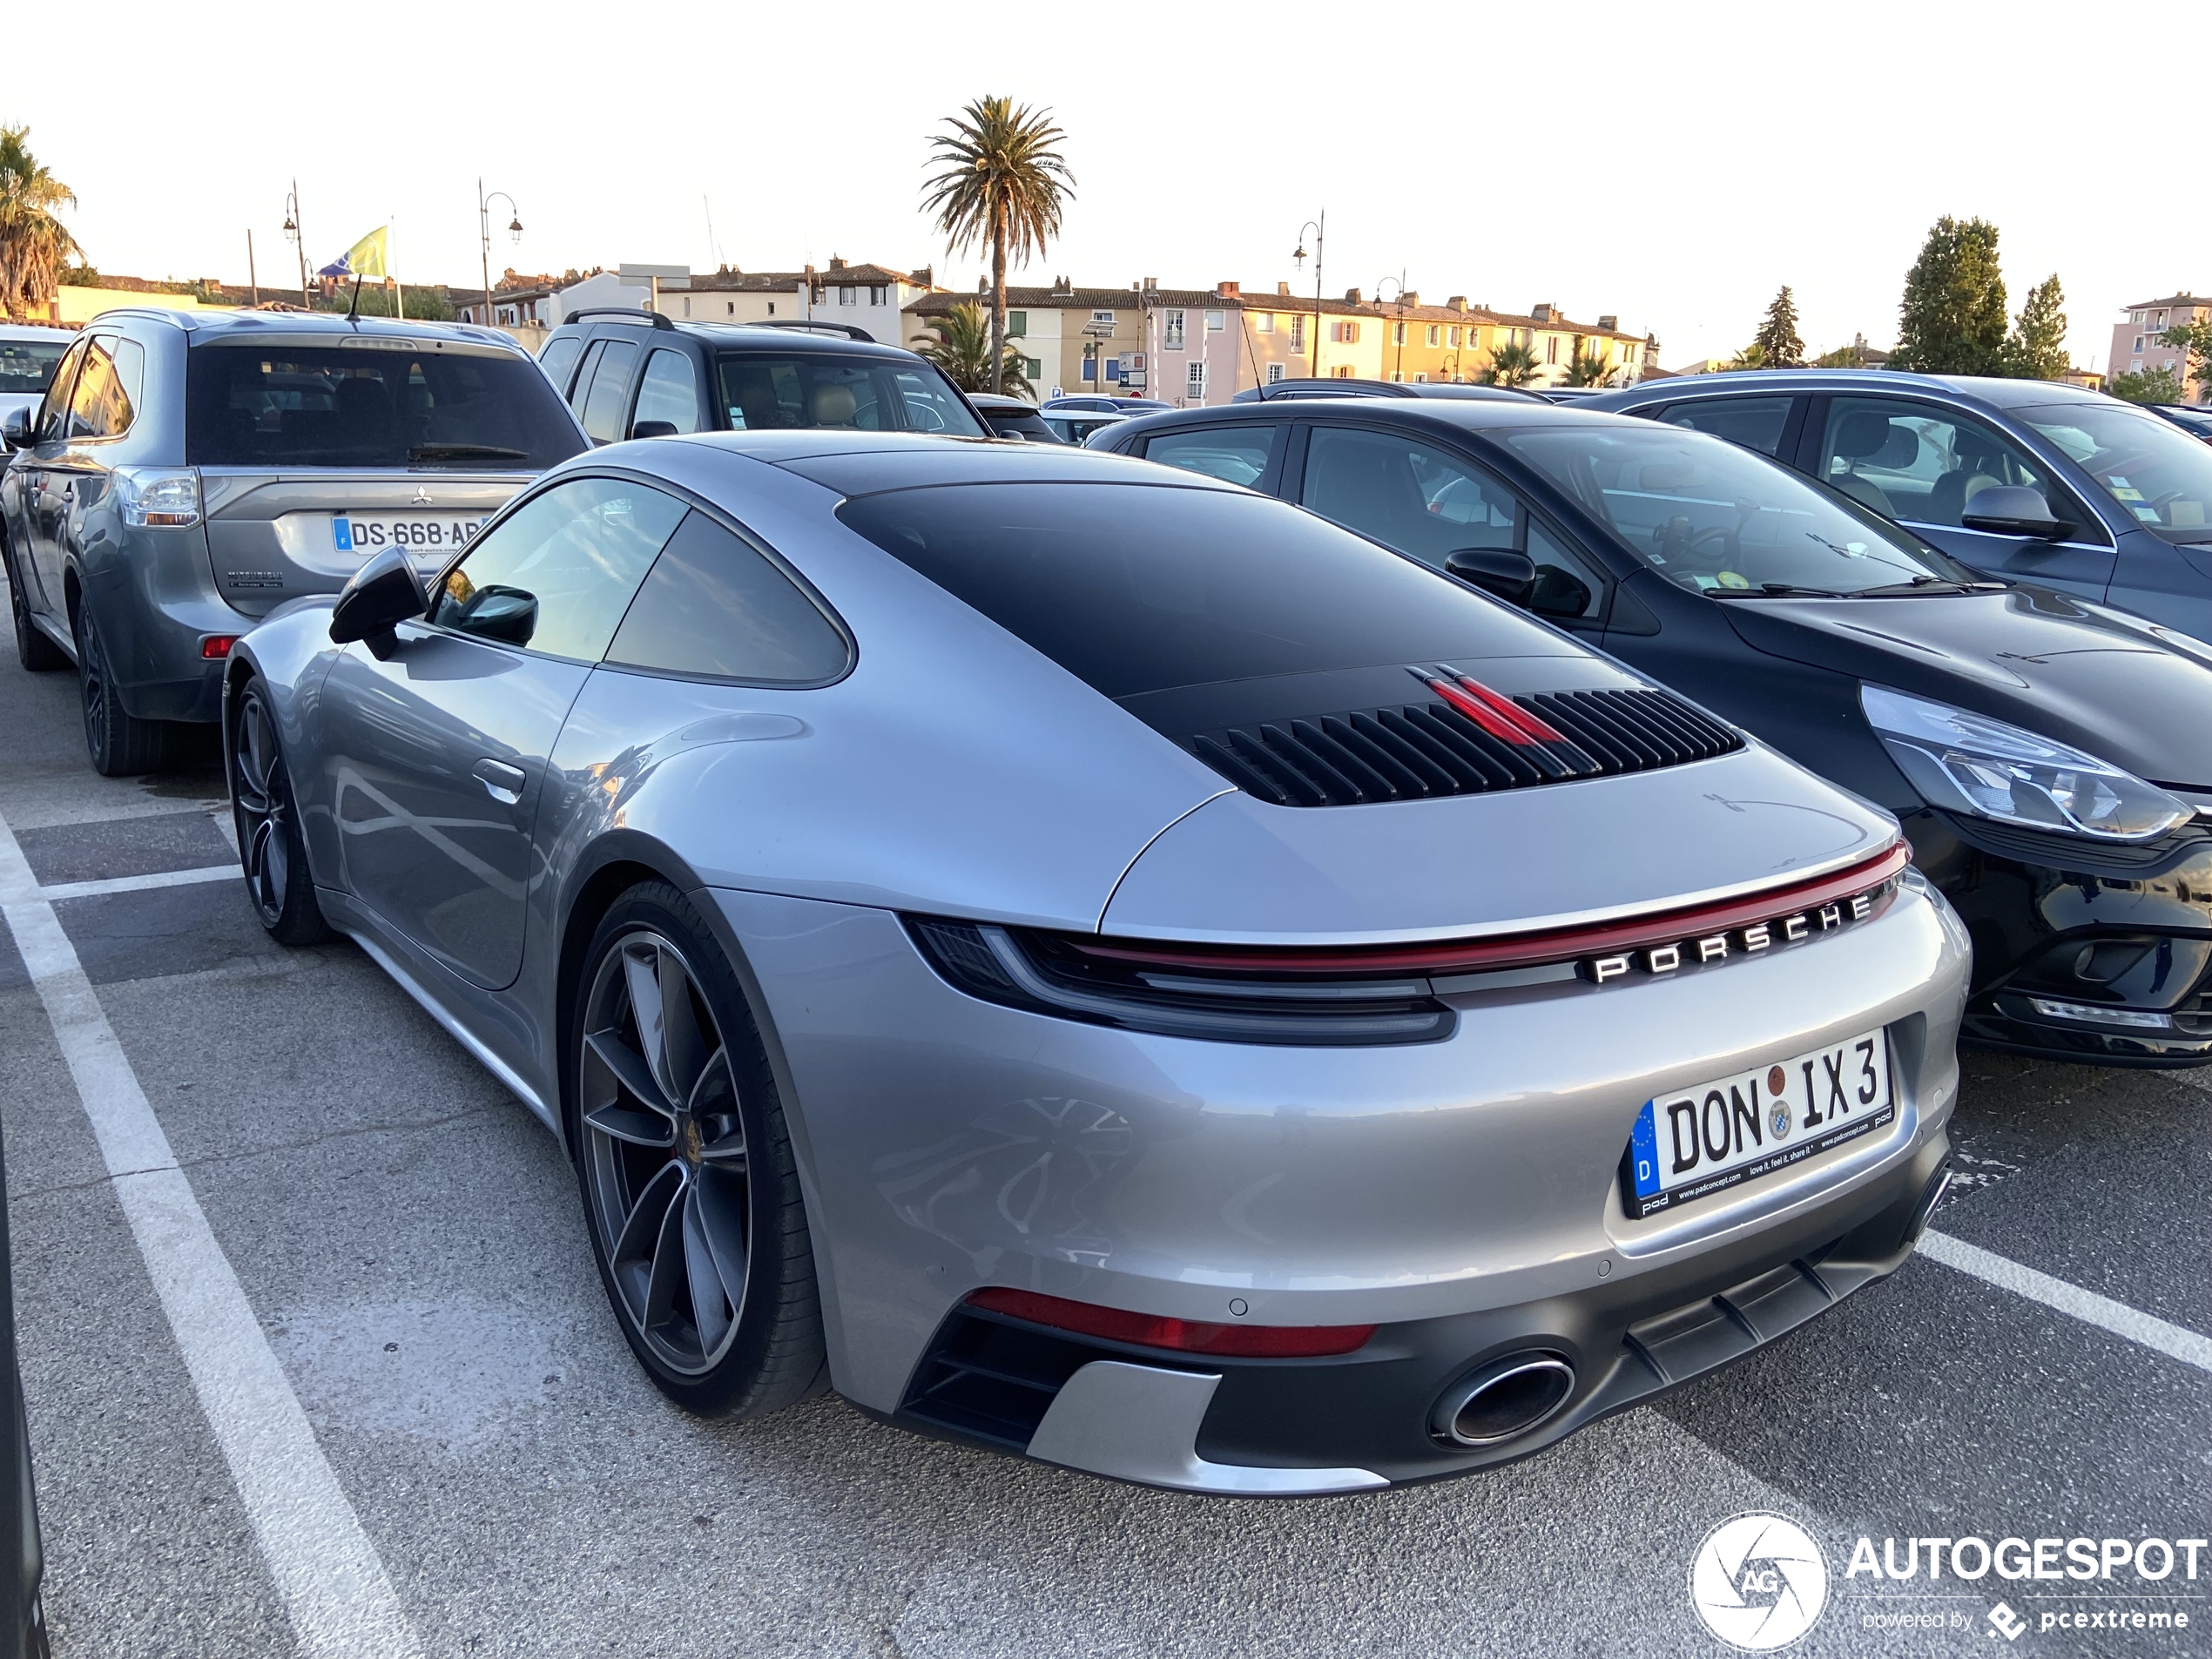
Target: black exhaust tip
[1506,1398]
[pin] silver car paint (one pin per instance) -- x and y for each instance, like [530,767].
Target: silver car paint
[945,1143]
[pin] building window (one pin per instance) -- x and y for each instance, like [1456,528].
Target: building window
[1343,371]
[1398,333]
[1017,324]
[2161,319]
[1104,319]
[687,305]
[2139,344]
[1214,321]
[1195,380]
[1267,322]
[1274,372]
[1433,330]
[1298,332]
[1032,368]
[733,307]
[1551,348]
[1456,337]
[1421,380]
[879,295]
[1171,331]
[1396,375]
[1348,332]
[846,297]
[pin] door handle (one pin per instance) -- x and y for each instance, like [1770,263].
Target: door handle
[501,782]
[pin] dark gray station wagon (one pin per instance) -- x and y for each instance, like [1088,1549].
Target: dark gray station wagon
[185,474]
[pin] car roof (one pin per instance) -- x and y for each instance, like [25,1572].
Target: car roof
[1000,403]
[1446,417]
[825,338]
[36,331]
[858,464]
[1988,390]
[296,323]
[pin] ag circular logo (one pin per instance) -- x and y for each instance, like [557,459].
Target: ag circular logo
[1759,1581]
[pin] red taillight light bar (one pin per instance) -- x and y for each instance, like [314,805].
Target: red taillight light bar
[1514,950]
[1501,716]
[214,647]
[1184,1335]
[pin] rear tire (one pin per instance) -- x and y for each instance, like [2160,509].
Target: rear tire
[33,650]
[691,1189]
[270,847]
[120,744]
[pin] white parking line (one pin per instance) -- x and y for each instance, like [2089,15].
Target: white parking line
[2102,1312]
[138,883]
[334,1585]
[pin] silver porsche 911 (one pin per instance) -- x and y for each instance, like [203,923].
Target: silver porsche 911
[1090,960]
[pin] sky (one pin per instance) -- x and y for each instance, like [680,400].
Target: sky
[1673,164]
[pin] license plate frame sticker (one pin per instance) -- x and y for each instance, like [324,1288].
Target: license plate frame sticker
[1691,1143]
[420,535]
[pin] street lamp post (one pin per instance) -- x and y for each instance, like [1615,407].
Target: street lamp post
[298,239]
[1319,228]
[483,233]
[1400,282]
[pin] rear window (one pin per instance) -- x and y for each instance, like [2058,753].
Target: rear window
[27,365]
[773,391]
[370,406]
[1144,588]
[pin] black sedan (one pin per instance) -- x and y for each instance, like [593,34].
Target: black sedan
[2051,758]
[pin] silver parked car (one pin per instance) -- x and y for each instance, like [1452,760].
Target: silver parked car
[186,472]
[1092,960]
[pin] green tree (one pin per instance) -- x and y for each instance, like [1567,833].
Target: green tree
[2036,350]
[959,343]
[1001,185]
[1511,364]
[1589,366]
[2195,339]
[1752,356]
[2148,386]
[34,246]
[1841,357]
[1952,316]
[1777,339]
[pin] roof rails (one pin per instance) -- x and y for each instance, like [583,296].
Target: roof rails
[628,314]
[844,329]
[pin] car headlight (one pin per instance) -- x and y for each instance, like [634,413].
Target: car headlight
[164,498]
[1970,763]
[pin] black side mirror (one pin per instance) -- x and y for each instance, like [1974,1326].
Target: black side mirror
[1501,571]
[383,594]
[509,615]
[2014,509]
[653,429]
[15,434]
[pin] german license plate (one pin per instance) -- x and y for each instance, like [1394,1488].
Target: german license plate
[421,536]
[1694,1143]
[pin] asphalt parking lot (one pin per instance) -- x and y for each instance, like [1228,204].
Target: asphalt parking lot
[408,1239]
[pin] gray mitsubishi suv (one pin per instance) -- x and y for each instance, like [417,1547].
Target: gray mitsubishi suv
[186,475]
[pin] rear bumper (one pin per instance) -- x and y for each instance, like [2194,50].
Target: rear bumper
[1303,1427]
[2095,954]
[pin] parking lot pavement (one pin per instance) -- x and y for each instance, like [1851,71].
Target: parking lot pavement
[407,1240]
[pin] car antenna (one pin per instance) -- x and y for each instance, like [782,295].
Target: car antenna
[352,311]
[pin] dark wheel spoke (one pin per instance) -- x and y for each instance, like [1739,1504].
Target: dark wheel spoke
[671,1273]
[713,1300]
[638,1243]
[713,1107]
[625,1066]
[719,1200]
[636,1129]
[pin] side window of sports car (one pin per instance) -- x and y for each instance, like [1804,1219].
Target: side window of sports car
[716,607]
[558,573]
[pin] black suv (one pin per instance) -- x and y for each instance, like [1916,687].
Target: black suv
[635,374]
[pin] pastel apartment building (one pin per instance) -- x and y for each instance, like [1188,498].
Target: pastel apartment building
[2139,343]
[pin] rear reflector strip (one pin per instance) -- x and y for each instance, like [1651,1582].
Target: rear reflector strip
[1183,1336]
[215,646]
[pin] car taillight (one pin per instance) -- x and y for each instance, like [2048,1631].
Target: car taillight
[215,646]
[1184,1336]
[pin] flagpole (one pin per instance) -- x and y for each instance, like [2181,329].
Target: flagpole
[399,288]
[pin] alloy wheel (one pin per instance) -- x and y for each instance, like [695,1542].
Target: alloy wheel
[263,801]
[666,1161]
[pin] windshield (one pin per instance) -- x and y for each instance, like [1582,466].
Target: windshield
[375,404]
[27,365]
[1717,519]
[2157,473]
[771,390]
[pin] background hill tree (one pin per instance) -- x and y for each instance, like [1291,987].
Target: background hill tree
[2036,350]
[34,246]
[2148,386]
[1951,321]
[1778,339]
[1001,185]
[959,343]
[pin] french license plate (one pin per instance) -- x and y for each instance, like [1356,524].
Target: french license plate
[1694,1143]
[423,536]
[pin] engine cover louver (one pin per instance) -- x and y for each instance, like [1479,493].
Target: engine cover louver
[1465,739]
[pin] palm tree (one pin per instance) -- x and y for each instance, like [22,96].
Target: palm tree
[1511,364]
[961,345]
[1752,356]
[1589,366]
[34,246]
[1001,185]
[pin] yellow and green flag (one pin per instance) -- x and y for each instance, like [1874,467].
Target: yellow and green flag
[365,258]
